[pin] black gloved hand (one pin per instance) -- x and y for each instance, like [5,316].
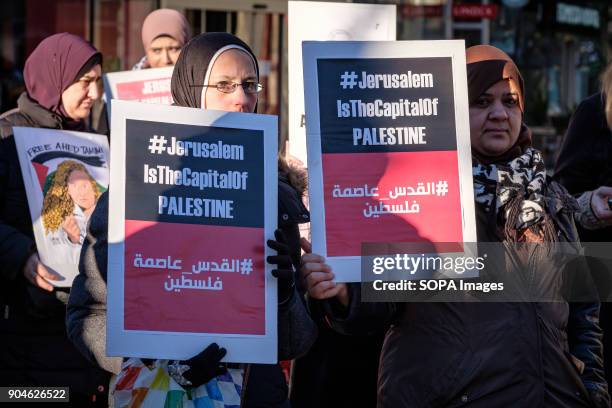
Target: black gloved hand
[284,266]
[147,361]
[205,366]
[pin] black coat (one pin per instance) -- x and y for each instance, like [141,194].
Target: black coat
[584,164]
[475,354]
[35,350]
[585,158]
[266,386]
[339,370]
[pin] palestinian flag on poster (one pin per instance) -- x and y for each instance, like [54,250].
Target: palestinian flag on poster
[45,166]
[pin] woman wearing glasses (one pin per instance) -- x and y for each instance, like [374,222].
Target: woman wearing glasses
[214,71]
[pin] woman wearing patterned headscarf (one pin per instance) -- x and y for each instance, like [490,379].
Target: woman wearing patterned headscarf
[538,350]
[61,77]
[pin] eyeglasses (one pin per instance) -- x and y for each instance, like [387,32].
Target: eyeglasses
[249,87]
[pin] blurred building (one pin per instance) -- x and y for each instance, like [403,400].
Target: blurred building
[560,46]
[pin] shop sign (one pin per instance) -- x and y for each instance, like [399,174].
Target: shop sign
[476,11]
[577,16]
[410,11]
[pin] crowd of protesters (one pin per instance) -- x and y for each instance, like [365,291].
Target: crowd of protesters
[346,352]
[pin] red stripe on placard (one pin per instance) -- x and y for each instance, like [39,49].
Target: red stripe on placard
[156,90]
[408,214]
[160,298]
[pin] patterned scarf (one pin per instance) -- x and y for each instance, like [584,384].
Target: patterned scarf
[515,191]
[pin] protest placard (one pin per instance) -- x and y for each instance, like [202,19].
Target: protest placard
[192,202]
[389,154]
[334,22]
[146,85]
[64,174]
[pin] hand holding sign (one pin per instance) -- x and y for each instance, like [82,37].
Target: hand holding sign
[284,267]
[319,277]
[35,272]
[205,365]
[599,203]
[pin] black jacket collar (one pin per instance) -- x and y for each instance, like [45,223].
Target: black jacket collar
[37,114]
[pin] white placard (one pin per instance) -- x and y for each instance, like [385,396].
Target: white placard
[150,85]
[389,154]
[64,173]
[323,21]
[183,214]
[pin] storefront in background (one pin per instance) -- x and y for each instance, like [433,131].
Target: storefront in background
[560,46]
[112,26]
[561,49]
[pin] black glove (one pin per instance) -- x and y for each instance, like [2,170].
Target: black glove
[147,361]
[205,366]
[284,266]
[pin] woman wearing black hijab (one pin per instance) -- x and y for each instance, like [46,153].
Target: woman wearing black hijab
[214,71]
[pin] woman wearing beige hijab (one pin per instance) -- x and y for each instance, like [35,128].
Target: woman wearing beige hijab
[164,32]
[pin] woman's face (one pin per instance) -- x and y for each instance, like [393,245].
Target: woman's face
[163,52]
[495,119]
[80,189]
[231,66]
[79,97]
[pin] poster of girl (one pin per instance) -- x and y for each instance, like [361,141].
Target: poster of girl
[64,174]
[69,200]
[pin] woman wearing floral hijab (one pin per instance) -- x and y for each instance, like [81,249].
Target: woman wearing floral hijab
[61,77]
[533,353]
